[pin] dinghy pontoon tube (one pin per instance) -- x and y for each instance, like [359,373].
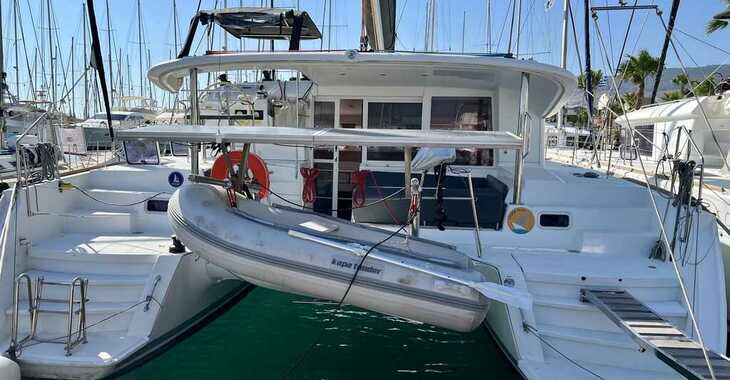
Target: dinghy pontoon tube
[305,253]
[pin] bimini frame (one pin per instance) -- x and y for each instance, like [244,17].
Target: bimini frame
[195,135]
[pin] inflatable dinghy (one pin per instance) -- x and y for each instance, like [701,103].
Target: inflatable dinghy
[300,252]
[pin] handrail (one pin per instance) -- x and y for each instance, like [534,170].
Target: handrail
[14,343]
[80,335]
[31,126]
[474,214]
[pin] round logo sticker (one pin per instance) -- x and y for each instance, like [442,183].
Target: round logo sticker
[520,220]
[175,179]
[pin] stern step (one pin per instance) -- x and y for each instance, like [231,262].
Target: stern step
[655,334]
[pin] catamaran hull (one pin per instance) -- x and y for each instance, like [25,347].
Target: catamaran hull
[277,259]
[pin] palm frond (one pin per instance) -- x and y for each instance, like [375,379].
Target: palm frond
[715,25]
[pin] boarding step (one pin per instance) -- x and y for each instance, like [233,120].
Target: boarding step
[656,335]
[97,253]
[571,312]
[598,347]
[95,221]
[102,287]
[564,274]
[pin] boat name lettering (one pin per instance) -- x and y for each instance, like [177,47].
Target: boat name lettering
[346,264]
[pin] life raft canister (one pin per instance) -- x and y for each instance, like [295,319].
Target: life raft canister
[256,165]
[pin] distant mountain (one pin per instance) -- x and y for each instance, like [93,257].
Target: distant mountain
[666,85]
[577,99]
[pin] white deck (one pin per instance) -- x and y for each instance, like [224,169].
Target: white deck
[123,253]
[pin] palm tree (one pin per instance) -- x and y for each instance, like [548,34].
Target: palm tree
[681,81]
[717,24]
[704,88]
[672,95]
[596,78]
[631,101]
[637,69]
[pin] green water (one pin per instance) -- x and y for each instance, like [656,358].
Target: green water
[265,334]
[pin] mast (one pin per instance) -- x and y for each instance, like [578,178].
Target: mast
[129,75]
[50,52]
[174,23]
[663,57]
[511,28]
[329,27]
[17,63]
[73,80]
[463,31]
[519,27]
[225,35]
[432,35]
[272,41]
[428,25]
[2,82]
[120,74]
[588,76]
[149,82]
[86,57]
[564,52]
[324,14]
[489,26]
[139,37]
[109,43]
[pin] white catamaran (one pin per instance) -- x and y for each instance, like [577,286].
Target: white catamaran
[621,282]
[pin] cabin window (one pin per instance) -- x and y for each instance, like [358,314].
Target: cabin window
[392,116]
[157,205]
[644,139]
[142,152]
[324,117]
[465,114]
[554,220]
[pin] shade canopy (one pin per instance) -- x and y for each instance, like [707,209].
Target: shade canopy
[263,23]
[324,136]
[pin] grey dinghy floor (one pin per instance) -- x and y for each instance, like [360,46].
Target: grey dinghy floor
[327,227]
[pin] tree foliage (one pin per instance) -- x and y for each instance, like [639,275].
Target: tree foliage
[596,78]
[714,24]
[637,69]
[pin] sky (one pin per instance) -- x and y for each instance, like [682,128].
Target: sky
[458,23]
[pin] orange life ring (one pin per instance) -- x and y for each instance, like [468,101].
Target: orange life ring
[256,165]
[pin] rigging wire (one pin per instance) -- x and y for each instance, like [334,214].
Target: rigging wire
[84,192]
[663,233]
[504,25]
[713,134]
[716,47]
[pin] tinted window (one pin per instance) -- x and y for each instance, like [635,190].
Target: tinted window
[554,220]
[466,114]
[392,116]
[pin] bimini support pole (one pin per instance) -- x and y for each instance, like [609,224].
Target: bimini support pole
[195,120]
[522,131]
